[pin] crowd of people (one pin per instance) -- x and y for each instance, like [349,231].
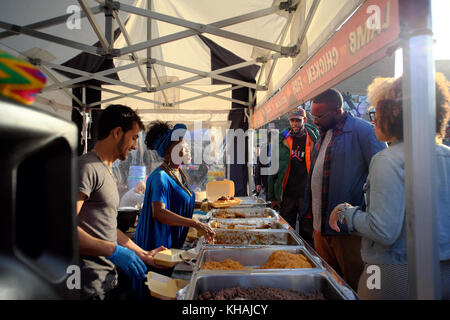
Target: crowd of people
[341,179]
[349,196]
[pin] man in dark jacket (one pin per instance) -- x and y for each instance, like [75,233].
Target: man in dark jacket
[339,168]
[287,186]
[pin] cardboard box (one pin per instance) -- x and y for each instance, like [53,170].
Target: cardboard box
[217,189]
[163,287]
[168,257]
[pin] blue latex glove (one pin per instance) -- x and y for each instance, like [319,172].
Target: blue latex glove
[129,262]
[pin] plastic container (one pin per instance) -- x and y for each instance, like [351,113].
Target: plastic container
[136,174]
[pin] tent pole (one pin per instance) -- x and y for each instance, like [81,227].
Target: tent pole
[283,37]
[251,137]
[50,22]
[420,154]
[48,37]
[214,74]
[85,120]
[90,16]
[133,54]
[109,22]
[149,49]
[202,28]
[189,33]
[89,76]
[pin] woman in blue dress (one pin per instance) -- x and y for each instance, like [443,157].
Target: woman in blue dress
[169,202]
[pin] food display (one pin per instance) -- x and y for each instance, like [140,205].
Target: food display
[246,224]
[282,259]
[225,202]
[254,256]
[294,284]
[252,202]
[279,259]
[192,234]
[264,293]
[226,264]
[254,237]
[223,214]
[244,213]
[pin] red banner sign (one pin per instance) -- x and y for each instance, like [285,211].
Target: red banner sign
[364,39]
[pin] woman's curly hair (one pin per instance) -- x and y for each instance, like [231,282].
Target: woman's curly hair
[442,104]
[386,95]
[155,128]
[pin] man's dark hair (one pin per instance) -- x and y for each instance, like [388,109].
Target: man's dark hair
[331,97]
[155,128]
[117,115]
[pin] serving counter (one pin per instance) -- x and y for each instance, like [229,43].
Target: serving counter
[251,248]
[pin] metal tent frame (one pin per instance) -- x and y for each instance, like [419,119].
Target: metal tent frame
[110,10]
[419,121]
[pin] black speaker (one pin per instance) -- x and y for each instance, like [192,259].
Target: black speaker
[38,235]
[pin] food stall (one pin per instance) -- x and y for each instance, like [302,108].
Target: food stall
[254,249]
[375,31]
[372,33]
[295,50]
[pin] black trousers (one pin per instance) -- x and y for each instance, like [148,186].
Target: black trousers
[289,210]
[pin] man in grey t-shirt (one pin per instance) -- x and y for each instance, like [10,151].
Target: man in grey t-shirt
[102,246]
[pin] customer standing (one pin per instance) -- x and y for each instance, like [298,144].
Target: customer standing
[382,224]
[102,246]
[339,167]
[287,186]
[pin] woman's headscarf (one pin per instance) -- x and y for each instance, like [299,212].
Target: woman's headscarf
[164,140]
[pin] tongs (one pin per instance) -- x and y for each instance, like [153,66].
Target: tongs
[189,261]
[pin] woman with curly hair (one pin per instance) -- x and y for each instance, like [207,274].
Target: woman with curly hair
[169,202]
[382,226]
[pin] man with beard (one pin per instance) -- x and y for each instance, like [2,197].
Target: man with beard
[287,187]
[102,246]
[339,167]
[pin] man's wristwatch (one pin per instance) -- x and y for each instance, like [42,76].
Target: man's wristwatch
[341,217]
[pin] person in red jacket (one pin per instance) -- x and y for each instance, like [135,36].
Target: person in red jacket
[287,186]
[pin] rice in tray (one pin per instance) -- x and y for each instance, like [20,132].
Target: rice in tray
[279,259]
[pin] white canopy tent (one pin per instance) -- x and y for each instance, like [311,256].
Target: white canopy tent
[171,69]
[278,36]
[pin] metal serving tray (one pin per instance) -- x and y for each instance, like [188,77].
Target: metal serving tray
[255,237]
[247,212]
[251,202]
[250,257]
[247,224]
[306,282]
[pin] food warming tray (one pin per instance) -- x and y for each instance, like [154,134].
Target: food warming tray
[306,282]
[247,224]
[255,237]
[243,213]
[251,257]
